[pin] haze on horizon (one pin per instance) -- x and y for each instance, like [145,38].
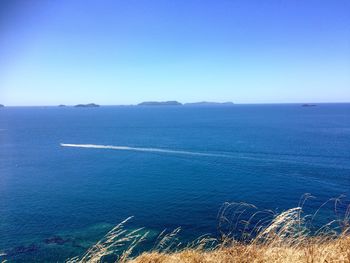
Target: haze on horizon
[124,52]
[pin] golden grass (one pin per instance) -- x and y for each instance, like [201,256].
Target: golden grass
[284,238]
[337,250]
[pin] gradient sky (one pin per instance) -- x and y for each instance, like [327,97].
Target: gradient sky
[128,51]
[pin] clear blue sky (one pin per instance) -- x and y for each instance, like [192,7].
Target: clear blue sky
[127,51]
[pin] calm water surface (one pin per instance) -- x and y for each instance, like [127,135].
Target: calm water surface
[267,155]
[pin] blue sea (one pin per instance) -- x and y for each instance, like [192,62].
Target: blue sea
[68,175]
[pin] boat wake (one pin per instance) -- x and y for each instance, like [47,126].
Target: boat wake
[267,158]
[140,149]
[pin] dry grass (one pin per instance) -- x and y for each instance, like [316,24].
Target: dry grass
[313,251]
[286,237]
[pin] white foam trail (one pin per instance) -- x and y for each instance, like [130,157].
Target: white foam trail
[159,150]
[139,149]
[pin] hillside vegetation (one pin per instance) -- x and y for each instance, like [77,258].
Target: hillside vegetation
[263,237]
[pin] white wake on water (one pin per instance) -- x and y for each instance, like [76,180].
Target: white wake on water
[169,151]
[140,149]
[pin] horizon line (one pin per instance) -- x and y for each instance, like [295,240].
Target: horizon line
[182,104]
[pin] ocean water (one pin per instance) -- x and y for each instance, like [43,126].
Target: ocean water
[68,175]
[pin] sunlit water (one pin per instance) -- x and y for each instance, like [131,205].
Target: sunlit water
[67,175]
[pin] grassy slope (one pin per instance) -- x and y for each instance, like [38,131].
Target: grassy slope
[285,239]
[337,250]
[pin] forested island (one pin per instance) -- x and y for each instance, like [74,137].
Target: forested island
[176,103]
[209,103]
[89,105]
[160,103]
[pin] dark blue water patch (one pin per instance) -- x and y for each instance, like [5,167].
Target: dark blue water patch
[276,154]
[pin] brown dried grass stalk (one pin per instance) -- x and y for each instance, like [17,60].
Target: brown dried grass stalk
[285,237]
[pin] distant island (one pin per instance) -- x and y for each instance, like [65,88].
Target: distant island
[160,103]
[61,105]
[89,105]
[176,103]
[308,105]
[208,103]
[1,106]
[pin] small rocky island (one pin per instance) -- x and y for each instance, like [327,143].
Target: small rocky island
[1,106]
[209,103]
[308,105]
[89,105]
[61,105]
[160,103]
